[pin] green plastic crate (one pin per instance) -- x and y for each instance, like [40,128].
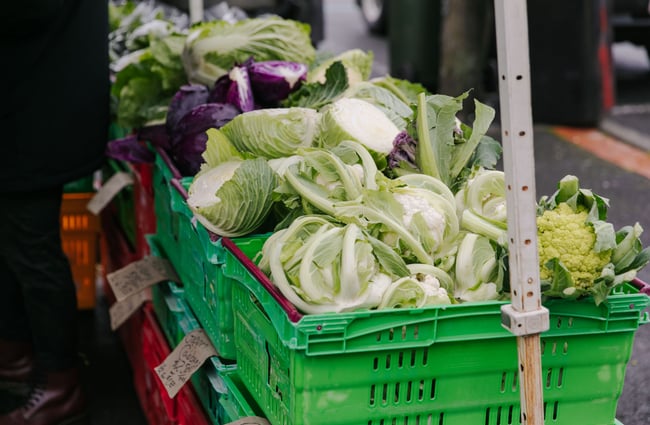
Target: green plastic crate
[82,185]
[168,305]
[452,365]
[177,319]
[116,131]
[199,262]
[166,220]
[217,316]
[236,402]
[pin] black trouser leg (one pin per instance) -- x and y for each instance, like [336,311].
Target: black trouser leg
[40,297]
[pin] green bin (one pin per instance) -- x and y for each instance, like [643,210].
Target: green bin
[414,28]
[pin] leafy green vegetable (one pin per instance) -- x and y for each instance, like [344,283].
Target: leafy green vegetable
[397,110]
[360,121]
[438,144]
[406,90]
[357,64]
[325,267]
[479,275]
[231,196]
[143,89]
[481,204]
[214,47]
[320,179]
[274,132]
[316,95]
[442,152]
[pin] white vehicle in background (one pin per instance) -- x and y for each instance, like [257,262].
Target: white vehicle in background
[375,14]
[308,11]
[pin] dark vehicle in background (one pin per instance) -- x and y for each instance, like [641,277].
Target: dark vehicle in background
[573,80]
[631,22]
[630,19]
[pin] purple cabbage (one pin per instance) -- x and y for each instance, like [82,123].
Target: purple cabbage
[187,154]
[219,92]
[186,98]
[273,81]
[157,135]
[403,153]
[202,117]
[240,92]
[129,149]
[234,88]
[189,138]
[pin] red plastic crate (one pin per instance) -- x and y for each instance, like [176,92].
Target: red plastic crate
[116,253]
[190,411]
[145,219]
[160,408]
[185,408]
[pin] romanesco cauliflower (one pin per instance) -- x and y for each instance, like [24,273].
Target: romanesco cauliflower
[579,251]
[566,235]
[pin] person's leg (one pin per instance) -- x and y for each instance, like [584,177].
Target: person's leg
[16,363]
[31,247]
[32,251]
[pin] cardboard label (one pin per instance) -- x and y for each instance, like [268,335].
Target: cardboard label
[139,275]
[186,359]
[251,420]
[120,311]
[108,191]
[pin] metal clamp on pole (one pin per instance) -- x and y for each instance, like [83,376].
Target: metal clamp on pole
[524,322]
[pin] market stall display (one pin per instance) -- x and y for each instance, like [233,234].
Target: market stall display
[315,216]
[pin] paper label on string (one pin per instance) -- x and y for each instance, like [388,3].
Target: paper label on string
[186,359]
[120,311]
[112,187]
[139,275]
[251,420]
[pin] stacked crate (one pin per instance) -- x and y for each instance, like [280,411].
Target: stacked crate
[435,365]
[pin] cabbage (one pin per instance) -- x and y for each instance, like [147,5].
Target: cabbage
[187,97]
[233,198]
[272,81]
[273,133]
[357,63]
[214,47]
[360,121]
[397,110]
[240,92]
[188,139]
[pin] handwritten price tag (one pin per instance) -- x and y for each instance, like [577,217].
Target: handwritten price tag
[122,310]
[112,187]
[186,359]
[139,275]
[251,420]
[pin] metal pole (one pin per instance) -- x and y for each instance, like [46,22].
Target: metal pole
[525,317]
[196,11]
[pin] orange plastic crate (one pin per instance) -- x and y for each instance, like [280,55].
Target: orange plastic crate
[80,231]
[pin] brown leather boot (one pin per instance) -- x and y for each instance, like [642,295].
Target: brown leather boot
[16,366]
[56,399]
